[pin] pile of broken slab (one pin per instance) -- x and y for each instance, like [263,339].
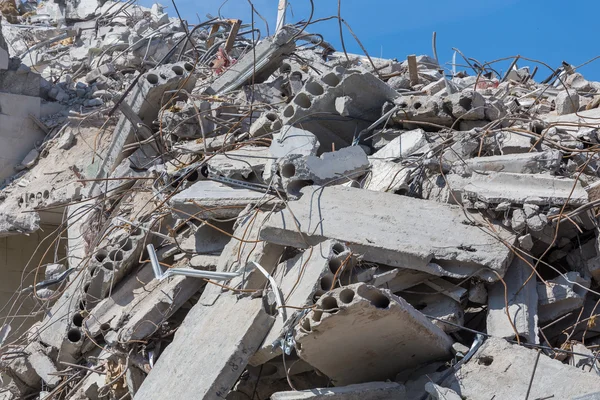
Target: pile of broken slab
[249,218]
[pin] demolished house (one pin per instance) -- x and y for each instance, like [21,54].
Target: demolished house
[208,212]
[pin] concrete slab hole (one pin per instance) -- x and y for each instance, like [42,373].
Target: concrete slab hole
[330,305]
[177,69]
[302,100]
[334,265]
[295,186]
[126,245]
[331,79]
[306,325]
[116,255]
[74,335]
[338,248]
[152,79]
[346,296]
[108,265]
[288,170]
[289,111]
[77,320]
[314,88]
[285,68]
[326,283]
[317,314]
[101,255]
[188,67]
[376,298]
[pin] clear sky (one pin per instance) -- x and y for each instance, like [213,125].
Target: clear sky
[547,30]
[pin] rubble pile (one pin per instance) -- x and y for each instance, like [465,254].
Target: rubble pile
[241,215]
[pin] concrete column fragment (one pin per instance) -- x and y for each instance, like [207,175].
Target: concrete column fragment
[391,334]
[521,314]
[446,243]
[222,342]
[363,391]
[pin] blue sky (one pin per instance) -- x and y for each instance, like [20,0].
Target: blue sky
[550,31]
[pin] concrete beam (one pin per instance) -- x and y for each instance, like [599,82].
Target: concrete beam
[435,238]
[522,304]
[209,352]
[496,188]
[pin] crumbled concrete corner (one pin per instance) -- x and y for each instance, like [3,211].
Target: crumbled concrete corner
[202,211]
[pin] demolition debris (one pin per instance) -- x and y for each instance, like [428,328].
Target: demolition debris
[211,212]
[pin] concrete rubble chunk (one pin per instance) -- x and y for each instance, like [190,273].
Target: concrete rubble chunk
[499,358]
[567,102]
[524,163]
[561,295]
[389,327]
[403,146]
[363,391]
[521,294]
[388,237]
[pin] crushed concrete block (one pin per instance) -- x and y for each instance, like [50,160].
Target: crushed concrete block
[525,241]
[567,102]
[403,146]
[363,391]
[441,393]
[495,188]
[43,366]
[386,176]
[30,159]
[537,222]
[388,237]
[103,70]
[221,350]
[239,164]
[478,293]
[66,140]
[421,109]
[520,319]
[290,140]
[561,295]
[438,306]
[393,335]
[209,199]
[467,105]
[331,168]
[515,142]
[514,364]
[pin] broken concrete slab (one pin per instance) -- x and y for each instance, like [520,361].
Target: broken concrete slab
[403,146]
[389,328]
[239,164]
[363,391]
[515,364]
[524,163]
[388,237]
[519,291]
[209,199]
[223,349]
